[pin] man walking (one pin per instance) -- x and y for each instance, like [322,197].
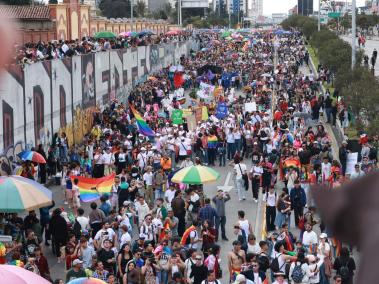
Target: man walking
[219,201]
[208,213]
[298,201]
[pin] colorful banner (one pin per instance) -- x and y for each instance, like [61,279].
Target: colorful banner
[222,110]
[90,189]
[143,128]
[177,116]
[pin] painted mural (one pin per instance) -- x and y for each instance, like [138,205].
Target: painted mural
[62,95]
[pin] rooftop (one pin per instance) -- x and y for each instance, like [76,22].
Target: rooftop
[39,12]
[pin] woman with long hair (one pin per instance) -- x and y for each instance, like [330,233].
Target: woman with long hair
[345,266]
[123,257]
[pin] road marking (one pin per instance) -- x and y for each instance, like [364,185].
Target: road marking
[226,187]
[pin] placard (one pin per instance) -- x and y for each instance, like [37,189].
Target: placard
[250,107]
[352,160]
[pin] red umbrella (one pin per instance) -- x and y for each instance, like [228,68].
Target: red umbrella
[175,32]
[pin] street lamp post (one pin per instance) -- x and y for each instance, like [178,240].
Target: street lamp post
[131,15]
[318,18]
[353,33]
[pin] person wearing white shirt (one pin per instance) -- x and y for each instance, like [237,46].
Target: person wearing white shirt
[106,233]
[357,172]
[309,237]
[240,170]
[169,194]
[125,236]
[142,209]
[83,221]
[252,246]
[108,160]
[183,147]
[142,158]
[148,179]
[323,249]
[326,169]
[270,198]
[255,176]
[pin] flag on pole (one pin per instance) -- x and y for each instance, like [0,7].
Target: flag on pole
[143,127]
[90,189]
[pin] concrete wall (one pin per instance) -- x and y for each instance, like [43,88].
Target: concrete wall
[61,95]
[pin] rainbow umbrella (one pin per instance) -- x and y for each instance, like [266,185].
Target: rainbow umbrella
[18,275]
[195,175]
[86,280]
[19,194]
[32,156]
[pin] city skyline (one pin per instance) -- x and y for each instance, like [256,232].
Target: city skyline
[282,6]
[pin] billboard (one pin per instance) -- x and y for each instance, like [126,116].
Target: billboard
[195,4]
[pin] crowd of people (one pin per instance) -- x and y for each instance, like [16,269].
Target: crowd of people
[148,229]
[59,49]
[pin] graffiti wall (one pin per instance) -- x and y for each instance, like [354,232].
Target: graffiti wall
[61,95]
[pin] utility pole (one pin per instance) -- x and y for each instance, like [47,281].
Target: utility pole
[353,33]
[180,13]
[131,15]
[318,18]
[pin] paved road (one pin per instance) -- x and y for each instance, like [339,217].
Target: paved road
[368,49]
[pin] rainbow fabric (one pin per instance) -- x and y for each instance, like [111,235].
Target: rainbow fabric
[90,189]
[143,127]
[212,141]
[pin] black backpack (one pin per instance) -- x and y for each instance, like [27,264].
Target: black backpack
[77,229]
[274,266]
[344,271]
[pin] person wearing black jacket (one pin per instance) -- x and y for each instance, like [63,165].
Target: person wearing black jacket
[345,266]
[59,232]
[252,270]
[199,271]
[342,154]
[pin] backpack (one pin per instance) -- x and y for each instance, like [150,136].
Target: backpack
[344,271]
[297,274]
[188,240]
[77,229]
[274,266]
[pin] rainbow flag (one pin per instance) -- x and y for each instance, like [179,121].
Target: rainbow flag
[90,189]
[212,141]
[143,127]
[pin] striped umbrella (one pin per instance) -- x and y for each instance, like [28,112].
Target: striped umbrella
[19,194]
[86,280]
[195,175]
[32,156]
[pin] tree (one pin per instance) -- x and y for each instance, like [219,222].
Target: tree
[16,2]
[53,1]
[115,8]
[140,8]
[335,54]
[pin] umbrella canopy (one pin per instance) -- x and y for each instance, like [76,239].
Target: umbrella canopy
[105,34]
[18,275]
[32,156]
[19,194]
[175,32]
[146,32]
[85,280]
[123,34]
[226,33]
[195,175]
[266,75]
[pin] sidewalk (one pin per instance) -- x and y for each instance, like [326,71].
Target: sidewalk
[368,49]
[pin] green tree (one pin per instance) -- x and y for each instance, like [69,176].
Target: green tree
[17,2]
[53,1]
[115,8]
[140,8]
[335,54]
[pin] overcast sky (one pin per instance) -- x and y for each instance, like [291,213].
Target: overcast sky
[282,6]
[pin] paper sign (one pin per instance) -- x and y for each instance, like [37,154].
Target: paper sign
[222,110]
[187,112]
[198,114]
[204,113]
[177,116]
[191,122]
[352,160]
[250,107]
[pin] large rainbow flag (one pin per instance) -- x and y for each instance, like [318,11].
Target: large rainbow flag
[91,189]
[143,127]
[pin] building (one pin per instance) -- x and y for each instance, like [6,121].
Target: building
[277,18]
[69,21]
[218,6]
[157,5]
[305,7]
[255,9]
[34,23]
[292,11]
[233,6]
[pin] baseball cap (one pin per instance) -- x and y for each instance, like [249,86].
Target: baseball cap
[76,262]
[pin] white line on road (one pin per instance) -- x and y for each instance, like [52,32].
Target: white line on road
[226,187]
